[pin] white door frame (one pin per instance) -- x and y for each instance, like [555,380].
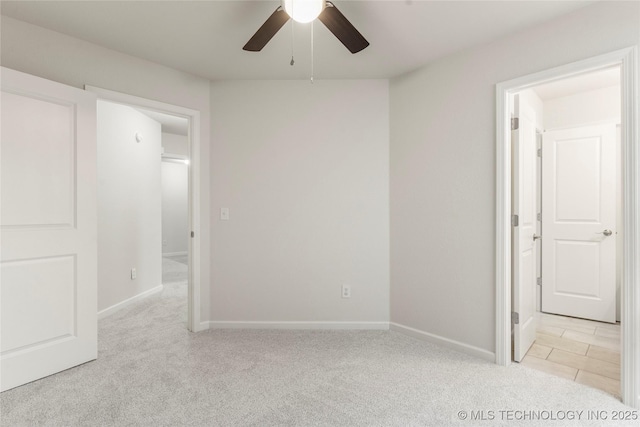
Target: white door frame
[627,59]
[193,117]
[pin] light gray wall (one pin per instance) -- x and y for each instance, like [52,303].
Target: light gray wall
[128,204]
[74,62]
[175,207]
[442,168]
[175,195]
[303,169]
[175,144]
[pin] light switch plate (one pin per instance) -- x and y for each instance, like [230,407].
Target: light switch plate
[346,291]
[224,214]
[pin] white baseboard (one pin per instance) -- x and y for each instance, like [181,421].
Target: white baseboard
[203,326]
[382,326]
[170,254]
[224,324]
[119,306]
[445,342]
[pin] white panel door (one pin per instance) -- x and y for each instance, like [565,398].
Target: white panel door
[578,222]
[48,225]
[524,167]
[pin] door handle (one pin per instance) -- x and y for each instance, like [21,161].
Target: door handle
[605,232]
[536,237]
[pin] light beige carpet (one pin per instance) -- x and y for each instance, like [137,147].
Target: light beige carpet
[174,269]
[152,372]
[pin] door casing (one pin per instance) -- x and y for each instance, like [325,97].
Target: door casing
[627,59]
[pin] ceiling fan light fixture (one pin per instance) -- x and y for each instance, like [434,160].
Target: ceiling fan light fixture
[303,11]
[307,11]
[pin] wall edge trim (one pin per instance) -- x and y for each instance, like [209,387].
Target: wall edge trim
[122,304]
[300,325]
[444,342]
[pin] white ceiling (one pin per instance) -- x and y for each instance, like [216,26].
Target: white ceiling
[205,38]
[585,82]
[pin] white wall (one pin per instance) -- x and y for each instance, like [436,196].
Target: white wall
[129,198]
[303,169]
[534,101]
[74,62]
[587,108]
[175,207]
[442,168]
[175,144]
[175,196]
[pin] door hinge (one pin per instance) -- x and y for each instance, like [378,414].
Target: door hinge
[515,123]
[193,234]
[539,281]
[515,318]
[539,216]
[539,152]
[514,220]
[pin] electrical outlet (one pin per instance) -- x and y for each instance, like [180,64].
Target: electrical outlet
[346,291]
[134,274]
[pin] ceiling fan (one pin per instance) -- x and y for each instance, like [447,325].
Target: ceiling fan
[306,11]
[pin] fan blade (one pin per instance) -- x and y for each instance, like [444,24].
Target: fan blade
[267,30]
[340,26]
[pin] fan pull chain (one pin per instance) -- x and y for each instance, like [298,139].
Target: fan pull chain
[311,52]
[292,43]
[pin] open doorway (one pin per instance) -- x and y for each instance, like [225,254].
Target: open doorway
[572,162]
[508,313]
[175,128]
[174,194]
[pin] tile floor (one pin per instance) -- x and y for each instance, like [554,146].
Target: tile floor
[585,351]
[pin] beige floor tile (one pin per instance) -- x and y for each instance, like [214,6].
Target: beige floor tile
[550,330]
[563,321]
[550,367]
[610,343]
[611,326]
[588,348]
[585,363]
[577,325]
[586,322]
[581,328]
[539,351]
[598,381]
[609,333]
[605,354]
[562,343]
[548,319]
